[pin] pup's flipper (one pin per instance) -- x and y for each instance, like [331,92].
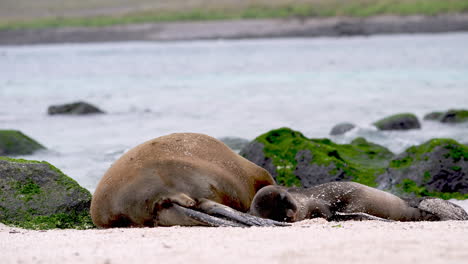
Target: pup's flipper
[340,216]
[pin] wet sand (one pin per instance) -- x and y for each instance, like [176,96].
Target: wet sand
[311,241]
[240,29]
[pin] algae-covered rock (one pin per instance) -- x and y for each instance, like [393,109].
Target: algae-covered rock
[436,168]
[450,116]
[341,128]
[37,195]
[433,116]
[76,108]
[293,159]
[455,116]
[13,142]
[403,121]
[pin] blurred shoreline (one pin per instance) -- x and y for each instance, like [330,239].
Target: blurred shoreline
[240,29]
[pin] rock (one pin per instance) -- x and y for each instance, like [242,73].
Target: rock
[77,108]
[450,116]
[37,195]
[433,116]
[235,143]
[254,152]
[403,121]
[437,168]
[341,128]
[13,142]
[454,116]
[293,159]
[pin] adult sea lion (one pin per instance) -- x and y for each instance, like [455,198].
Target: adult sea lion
[348,200]
[179,179]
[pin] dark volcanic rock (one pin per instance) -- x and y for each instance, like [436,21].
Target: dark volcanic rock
[235,143]
[403,121]
[77,108]
[13,142]
[438,167]
[312,174]
[341,128]
[254,152]
[39,196]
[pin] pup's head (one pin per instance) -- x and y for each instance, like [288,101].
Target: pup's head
[274,202]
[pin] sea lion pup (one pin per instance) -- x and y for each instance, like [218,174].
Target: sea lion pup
[346,201]
[179,179]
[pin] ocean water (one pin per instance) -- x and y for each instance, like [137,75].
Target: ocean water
[239,88]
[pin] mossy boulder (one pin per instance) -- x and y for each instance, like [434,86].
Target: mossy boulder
[450,116]
[76,108]
[37,195]
[455,116]
[433,116]
[437,168]
[404,121]
[294,159]
[13,142]
[341,128]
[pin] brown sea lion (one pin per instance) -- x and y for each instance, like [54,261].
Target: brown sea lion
[346,201]
[179,179]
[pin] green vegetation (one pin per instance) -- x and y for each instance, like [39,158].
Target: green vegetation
[410,186]
[27,190]
[13,142]
[276,9]
[63,221]
[360,161]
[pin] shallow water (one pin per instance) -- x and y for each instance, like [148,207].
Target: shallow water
[228,88]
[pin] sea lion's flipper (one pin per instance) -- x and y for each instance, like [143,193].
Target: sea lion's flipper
[217,209]
[206,218]
[443,209]
[340,216]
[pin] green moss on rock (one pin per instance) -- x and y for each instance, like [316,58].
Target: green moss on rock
[449,116]
[438,168]
[433,116]
[360,161]
[72,220]
[37,195]
[402,121]
[455,116]
[419,153]
[13,142]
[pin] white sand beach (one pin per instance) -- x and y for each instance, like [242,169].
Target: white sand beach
[311,241]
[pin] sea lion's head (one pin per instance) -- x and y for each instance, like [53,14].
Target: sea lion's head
[274,202]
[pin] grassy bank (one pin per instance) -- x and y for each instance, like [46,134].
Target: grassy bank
[274,9]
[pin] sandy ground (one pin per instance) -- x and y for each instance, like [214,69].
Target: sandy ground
[240,29]
[311,241]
